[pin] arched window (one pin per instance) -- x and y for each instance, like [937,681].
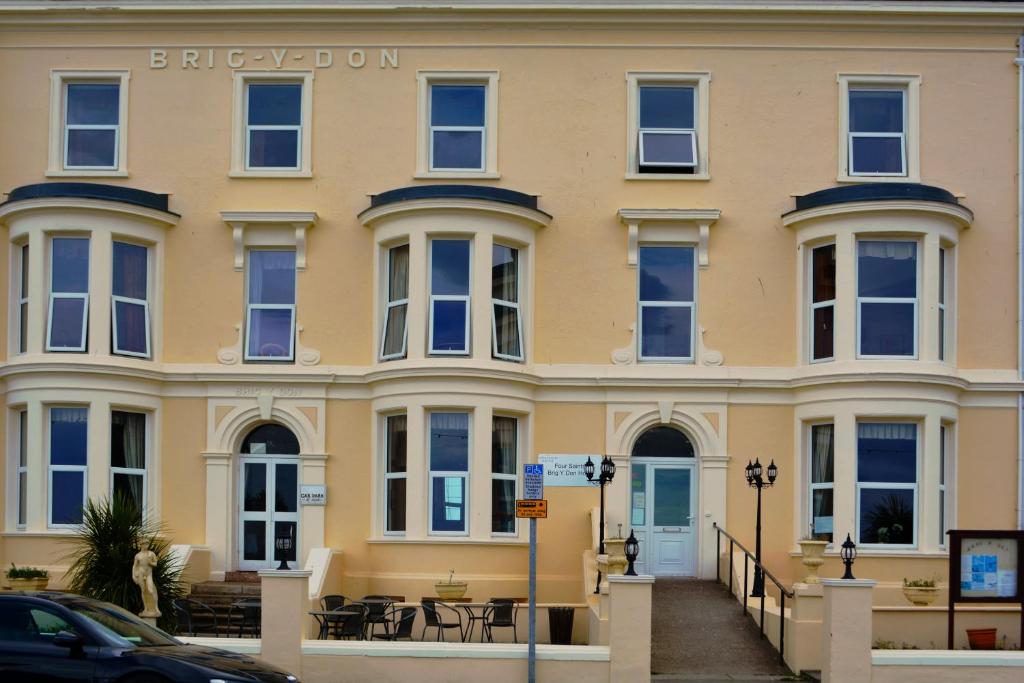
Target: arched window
[270,439]
[663,442]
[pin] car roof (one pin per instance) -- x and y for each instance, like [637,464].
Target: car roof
[49,596]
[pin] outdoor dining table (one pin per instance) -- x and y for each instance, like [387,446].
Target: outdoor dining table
[251,615]
[468,608]
[321,616]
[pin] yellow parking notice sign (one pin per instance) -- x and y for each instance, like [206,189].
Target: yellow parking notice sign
[535,509]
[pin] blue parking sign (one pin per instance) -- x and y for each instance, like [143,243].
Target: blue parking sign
[533,482]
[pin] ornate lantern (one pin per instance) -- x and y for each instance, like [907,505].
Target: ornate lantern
[632,548]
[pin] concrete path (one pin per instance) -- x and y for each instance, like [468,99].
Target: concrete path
[699,633]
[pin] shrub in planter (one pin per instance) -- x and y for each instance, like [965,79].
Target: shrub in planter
[920,592]
[27,578]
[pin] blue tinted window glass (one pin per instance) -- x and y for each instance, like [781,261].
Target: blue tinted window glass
[666,107]
[89,147]
[95,104]
[886,329]
[457,105]
[666,332]
[273,149]
[887,269]
[667,148]
[70,265]
[270,332]
[887,516]
[66,497]
[666,273]
[131,327]
[130,271]
[457,149]
[271,277]
[877,155]
[886,452]
[68,433]
[449,267]
[449,442]
[66,327]
[876,111]
[449,319]
[449,508]
[275,104]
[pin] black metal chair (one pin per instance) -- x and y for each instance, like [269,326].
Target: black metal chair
[185,612]
[350,622]
[377,606]
[329,603]
[433,618]
[501,613]
[250,611]
[401,619]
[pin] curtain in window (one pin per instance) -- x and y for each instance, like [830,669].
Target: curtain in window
[135,452]
[398,290]
[871,430]
[889,250]
[822,472]
[505,287]
[503,446]
[272,277]
[824,453]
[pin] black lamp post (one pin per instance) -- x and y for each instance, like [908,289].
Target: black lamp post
[754,479]
[632,548]
[606,475]
[848,551]
[283,544]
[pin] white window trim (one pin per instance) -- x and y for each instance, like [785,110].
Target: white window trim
[388,476]
[890,486]
[59,78]
[947,441]
[20,266]
[115,299]
[394,304]
[814,306]
[642,304]
[700,81]
[249,128]
[910,84]
[240,128]
[51,468]
[514,477]
[136,471]
[250,307]
[466,299]
[19,469]
[84,296]
[508,304]
[425,141]
[813,486]
[463,474]
[916,301]
[945,350]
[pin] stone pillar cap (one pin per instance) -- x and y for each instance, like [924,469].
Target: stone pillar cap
[852,583]
[285,573]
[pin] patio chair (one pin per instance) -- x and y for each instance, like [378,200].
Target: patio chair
[401,619]
[185,611]
[501,613]
[250,612]
[329,603]
[377,606]
[440,620]
[351,622]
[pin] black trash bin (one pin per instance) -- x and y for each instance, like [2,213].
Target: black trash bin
[560,625]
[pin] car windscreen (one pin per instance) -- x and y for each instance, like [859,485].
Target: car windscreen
[122,626]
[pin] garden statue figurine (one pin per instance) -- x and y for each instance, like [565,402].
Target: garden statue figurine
[142,575]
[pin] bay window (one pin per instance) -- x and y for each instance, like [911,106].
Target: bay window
[887,475]
[270,312]
[506,321]
[822,481]
[68,465]
[395,440]
[449,296]
[823,302]
[449,439]
[68,315]
[394,336]
[128,458]
[667,284]
[504,465]
[887,276]
[130,300]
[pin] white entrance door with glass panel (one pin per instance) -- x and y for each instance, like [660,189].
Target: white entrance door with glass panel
[268,497]
[663,501]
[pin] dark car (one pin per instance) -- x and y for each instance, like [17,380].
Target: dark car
[60,637]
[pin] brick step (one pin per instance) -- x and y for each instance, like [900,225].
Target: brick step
[241,577]
[237,589]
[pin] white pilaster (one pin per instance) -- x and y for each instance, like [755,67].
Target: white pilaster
[219,512]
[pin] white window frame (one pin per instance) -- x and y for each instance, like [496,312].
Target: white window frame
[813,486]
[459,129]
[22,268]
[508,304]
[943,348]
[250,307]
[249,128]
[813,306]
[464,475]
[888,486]
[910,85]
[59,80]
[514,477]
[21,468]
[901,136]
[115,299]
[51,468]
[691,132]
[641,304]
[394,304]
[916,301]
[946,436]
[135,471]
[425,131]
[466,299]
[84,296]
[240,167]
[388,476]
[700,81]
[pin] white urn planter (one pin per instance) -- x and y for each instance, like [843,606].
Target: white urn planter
[812,556]
[922,596]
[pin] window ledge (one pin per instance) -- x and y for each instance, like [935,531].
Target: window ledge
[465,175]
[878,179]
[270,174]
[38,534]
[74,173]
[668,176]
[446,540]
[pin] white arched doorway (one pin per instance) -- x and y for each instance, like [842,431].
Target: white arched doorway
[663,502]
[268,496]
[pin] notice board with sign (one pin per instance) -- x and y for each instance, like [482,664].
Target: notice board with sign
[985,566]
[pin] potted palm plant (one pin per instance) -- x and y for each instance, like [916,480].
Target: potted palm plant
[920,592]
[27,578]
[451,589]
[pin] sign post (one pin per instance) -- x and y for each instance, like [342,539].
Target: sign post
[533,507]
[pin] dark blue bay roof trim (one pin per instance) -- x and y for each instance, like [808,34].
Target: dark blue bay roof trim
[482,192]
[873,192]
[109,193]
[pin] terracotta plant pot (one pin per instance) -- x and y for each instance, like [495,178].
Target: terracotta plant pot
[450,591]
[37,584]
[922,596]
[982,638]
[813,556]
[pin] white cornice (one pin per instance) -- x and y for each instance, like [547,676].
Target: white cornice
[538,219]
[702,219]
[12,209]
[960,215]
[291,225]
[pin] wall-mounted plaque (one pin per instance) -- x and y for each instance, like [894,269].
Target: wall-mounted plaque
[313,494]
[985,566]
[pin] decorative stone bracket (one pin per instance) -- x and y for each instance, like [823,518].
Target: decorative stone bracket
[626,355]
[668,225]
[269,229]
[232,355]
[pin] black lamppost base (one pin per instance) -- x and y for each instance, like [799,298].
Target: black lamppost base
[757,591]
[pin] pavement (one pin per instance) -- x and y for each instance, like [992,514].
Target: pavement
[700,633]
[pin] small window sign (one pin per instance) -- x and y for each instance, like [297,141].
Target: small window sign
[313,494]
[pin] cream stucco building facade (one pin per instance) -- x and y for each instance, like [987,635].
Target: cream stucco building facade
[255,248]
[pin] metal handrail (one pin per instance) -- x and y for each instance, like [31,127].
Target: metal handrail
[783,593]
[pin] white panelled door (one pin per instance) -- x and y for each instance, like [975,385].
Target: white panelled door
[663,497]
[268,507]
